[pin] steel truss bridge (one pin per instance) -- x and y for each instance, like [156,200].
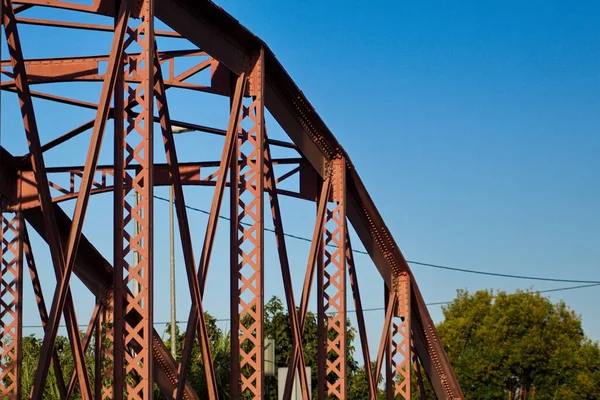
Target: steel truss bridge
[135,77]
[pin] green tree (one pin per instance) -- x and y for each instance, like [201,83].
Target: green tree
[519,345]
[220,351]
[358,387]
[277,327]
[32,347]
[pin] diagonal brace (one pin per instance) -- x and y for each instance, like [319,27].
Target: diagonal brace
[315,247]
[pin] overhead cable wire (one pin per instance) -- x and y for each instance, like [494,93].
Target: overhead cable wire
[438,303]
[420,263]
[587,284]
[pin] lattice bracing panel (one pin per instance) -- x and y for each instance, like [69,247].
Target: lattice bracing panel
[247,245]
[332,291]
[11,290]
[135,148]
[400,342]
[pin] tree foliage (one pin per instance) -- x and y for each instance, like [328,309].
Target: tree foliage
[277,327]
[515,346]
[32,347]
[519,345]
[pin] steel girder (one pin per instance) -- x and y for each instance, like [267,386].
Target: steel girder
[243,68]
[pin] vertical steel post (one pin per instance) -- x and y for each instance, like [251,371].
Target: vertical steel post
[400,360]
[133,373]
[136,256]
[389,372]
[362,328]
[332,279]
[196,319]
[106,347]
[172,275]
[321,316]
[87,339]
[58,257]
[247,261]
[98,359]
[116,384]
[271,187]
[314,258]
[11,305]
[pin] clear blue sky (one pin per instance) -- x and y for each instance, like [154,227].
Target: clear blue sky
[474,125]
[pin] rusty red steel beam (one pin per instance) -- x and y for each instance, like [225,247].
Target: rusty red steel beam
[362,327]
[134,144]
[224,164]
[58,99]
[184,167]
[388,356]
[86,68]
[315,247]
[192,174]
[98,354]
[50,62]
[385,335]
[101,7]
[287,175]
[184,230]
[247,241]
[191,71]
[183,124]
[42,309]
[398,354]
[69,135]
[87,339]
[89,73]
[21,8]
[38,164]
[85,77]
[62,289]
[271,188]
[82,26]
[419,376]
[11,306]
[331,287]
[221,132]
[68,69]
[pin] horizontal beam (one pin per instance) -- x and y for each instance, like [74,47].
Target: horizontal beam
[62,61]
[183,124]
[82,26]
[192,174]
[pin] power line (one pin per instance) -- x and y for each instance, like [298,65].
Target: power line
[533,278]
[439,303]
[586,284]
[423,264]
